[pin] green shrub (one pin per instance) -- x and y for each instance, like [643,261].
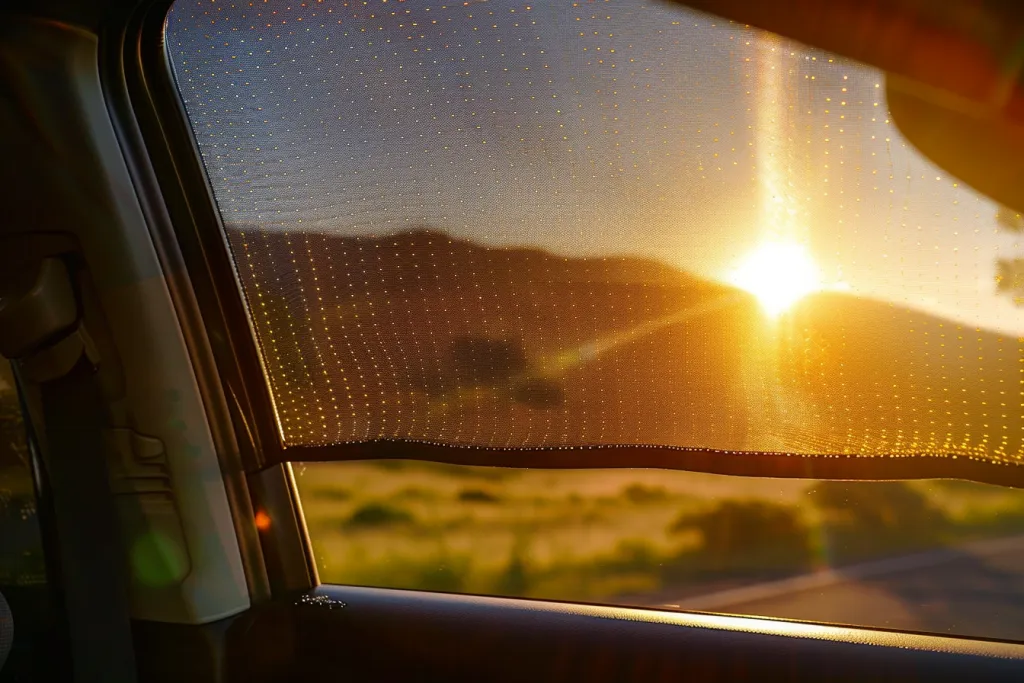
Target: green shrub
[641,493]
[441,571]
[376,514]
[743,536]
[865,519]
[477,496]
[633,566]
[630,555]
[514,579]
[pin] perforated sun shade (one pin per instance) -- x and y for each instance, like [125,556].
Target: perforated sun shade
[545,226]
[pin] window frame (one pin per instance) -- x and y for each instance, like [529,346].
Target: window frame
[163,158]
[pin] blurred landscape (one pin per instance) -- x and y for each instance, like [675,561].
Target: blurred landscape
[636,537]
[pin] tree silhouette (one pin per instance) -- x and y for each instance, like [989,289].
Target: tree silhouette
[483,361]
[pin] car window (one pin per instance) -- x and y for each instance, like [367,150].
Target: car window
[505,226]
[550,225]
[38,650]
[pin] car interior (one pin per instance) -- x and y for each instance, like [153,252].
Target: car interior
[500,340]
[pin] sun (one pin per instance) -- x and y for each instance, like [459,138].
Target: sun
[779,274]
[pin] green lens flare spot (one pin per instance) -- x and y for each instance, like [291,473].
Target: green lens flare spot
[157,561]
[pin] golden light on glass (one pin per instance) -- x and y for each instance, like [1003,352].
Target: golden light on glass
[779,274]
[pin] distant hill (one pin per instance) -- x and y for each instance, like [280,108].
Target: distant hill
[420,335]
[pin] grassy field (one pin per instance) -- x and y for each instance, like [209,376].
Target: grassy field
[605,534]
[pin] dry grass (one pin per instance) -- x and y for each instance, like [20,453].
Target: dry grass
[583,534]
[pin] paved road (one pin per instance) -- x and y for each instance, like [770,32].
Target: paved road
[975,590]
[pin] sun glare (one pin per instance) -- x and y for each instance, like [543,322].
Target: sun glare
[779,274]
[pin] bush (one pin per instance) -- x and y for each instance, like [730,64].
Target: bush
[440,571]
[514,580]
[631,555]
[746,535]
[641,493]
[862,519]
[477,496]
[634,566]
[373,515]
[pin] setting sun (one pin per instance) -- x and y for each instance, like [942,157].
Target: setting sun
[779,274]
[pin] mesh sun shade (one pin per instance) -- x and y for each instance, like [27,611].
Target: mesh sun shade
[522,225]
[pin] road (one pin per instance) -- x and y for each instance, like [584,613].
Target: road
[974,590]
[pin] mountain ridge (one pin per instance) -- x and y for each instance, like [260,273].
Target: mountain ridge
[423,336]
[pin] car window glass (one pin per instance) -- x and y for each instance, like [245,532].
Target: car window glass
[38,650]
[502,225]
[550,225]
[937,556]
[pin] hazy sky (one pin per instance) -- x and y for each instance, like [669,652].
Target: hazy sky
[587,128]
